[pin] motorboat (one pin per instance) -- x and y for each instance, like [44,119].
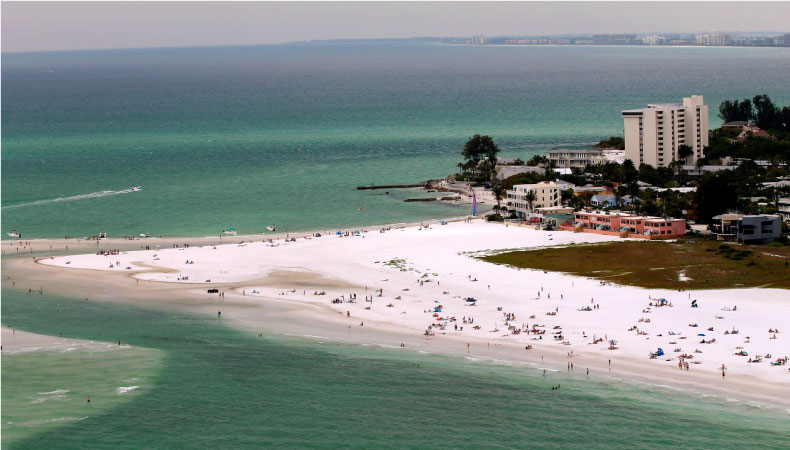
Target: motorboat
[271,228]
[137,188]
[230,231]
[14,234]
[144,235]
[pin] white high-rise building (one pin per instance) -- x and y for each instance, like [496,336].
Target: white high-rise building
[654,134]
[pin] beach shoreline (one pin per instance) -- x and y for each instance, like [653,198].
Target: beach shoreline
[315,318]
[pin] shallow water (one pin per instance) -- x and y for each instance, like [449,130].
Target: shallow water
[218,387]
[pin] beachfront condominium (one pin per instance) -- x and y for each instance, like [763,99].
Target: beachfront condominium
[575,158]
[547,194]
[653,135]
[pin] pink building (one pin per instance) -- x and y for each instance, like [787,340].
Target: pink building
[621,224]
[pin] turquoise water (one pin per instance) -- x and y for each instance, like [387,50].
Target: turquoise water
[245,137]
[215,387]
[47,389]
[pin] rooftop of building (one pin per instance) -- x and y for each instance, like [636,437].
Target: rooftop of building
[629,216]
[575,150]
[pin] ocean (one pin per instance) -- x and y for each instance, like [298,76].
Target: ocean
[246,137]
[200,384]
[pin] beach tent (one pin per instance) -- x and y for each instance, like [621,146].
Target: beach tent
[660,352]
[701,334]
[339,233]
[471,300]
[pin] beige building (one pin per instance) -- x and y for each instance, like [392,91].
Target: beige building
[654,134]
[547,194]
[578,158]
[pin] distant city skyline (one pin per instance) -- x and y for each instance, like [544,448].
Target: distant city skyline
[48,26]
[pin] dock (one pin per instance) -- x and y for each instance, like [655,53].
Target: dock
[391,186]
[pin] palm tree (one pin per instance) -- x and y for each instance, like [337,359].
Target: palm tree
[684,151]
[530,197]
[499,193]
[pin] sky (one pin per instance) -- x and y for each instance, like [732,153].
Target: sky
[47,26]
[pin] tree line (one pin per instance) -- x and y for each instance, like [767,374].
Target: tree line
[760,110]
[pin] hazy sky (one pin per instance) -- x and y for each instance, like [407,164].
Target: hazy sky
[34,26]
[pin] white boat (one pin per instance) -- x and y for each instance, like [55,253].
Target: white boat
[137,188]
[145,235]
[271,228]
[231,231]
[14,234]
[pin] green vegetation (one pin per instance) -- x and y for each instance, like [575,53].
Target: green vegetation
[760,110]
[479,159]
[656,264]
[613,142]
[721,145]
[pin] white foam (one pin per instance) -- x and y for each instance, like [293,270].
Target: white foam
[124,389]
[69,198]
[56,392]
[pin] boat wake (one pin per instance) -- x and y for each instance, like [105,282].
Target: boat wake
[69,198]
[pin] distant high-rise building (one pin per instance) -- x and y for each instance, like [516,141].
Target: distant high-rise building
[719,39]
[479,40]
[703,39]
[614,39]
[653,40]
[654,134]
[782,41]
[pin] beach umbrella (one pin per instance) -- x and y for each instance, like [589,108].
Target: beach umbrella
[339,233]
[700,334]
[557,327]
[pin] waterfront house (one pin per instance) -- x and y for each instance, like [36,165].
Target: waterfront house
[755,229]
[603,200]
[576,158]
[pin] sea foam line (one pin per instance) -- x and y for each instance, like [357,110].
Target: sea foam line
[69,198]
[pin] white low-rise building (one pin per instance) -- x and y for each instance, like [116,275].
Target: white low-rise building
[547,194]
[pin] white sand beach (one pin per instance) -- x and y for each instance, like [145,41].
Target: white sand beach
[418,280]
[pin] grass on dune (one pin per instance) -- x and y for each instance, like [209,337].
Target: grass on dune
[702,264]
